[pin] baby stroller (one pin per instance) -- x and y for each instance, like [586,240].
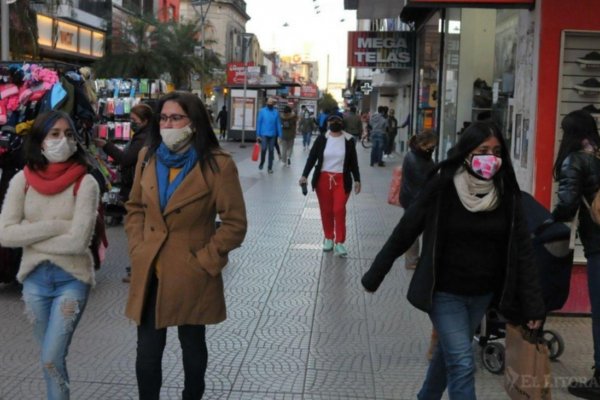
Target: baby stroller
[554,260]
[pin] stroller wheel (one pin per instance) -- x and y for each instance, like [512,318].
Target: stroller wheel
[492,357]
[555,343]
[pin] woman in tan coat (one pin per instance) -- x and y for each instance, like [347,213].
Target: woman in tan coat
[183,179]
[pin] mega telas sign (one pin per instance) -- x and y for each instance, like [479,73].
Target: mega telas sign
[381,49]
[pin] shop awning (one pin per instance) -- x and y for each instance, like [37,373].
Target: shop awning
[374,9]
[473,3]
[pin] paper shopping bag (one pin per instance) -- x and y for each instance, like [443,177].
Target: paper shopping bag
[255,151]
[395,184]
[527,369]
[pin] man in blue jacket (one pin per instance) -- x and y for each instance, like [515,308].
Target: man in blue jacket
[268,130]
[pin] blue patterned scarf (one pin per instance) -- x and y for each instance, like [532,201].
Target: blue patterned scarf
[165,160]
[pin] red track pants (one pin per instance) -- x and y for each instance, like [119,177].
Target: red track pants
[332,202]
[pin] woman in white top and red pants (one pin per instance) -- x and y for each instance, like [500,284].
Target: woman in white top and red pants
[336,167]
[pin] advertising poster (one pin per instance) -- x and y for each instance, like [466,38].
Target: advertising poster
[518,134]
[524,142]
[238,103]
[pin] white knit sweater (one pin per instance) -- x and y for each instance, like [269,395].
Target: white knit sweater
[57,228]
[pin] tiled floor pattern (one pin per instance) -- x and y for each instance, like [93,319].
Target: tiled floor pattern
[299,324]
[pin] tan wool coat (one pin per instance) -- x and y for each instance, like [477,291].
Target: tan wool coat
[183,240]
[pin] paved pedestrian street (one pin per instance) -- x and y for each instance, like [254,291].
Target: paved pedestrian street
[299,324]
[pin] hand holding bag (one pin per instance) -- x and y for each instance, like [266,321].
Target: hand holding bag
[527,371]
[255,151]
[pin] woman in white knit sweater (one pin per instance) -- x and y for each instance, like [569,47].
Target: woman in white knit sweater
[50,211]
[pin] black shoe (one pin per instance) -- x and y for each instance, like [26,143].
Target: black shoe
[590,58]
[289,161]
[591,109]
[587,390]
[270,171]
[381,164]
[260,166]
[589,85]
[372,164]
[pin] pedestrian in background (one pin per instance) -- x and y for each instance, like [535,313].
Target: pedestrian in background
[50,211]
[353,124]
[222,120]
[183,180]
[141,119]
[268,130]
[379,125]
[476,247]
[336,166]
[306,126]
[289,120]
[392,131]
[416,167]
[577,171]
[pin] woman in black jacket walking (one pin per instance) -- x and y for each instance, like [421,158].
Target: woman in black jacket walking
[577,171]
[141,120]
[416,167]
[476,250]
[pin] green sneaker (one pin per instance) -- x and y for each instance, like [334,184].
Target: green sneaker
[340,250]
[327,245]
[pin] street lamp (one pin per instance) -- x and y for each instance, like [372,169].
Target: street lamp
[246,37]
[4,33]
[203,13]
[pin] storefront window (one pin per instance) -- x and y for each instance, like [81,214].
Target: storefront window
[428,55]
[448,128]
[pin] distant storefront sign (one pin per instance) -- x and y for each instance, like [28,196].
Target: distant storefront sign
[309,91]
[236,73]
[55,34]
[474,3]
[370,49]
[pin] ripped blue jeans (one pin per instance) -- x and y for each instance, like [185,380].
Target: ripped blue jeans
[54,301]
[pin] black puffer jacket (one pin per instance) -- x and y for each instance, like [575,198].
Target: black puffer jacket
[126,159]
[520,297]
[579,176]
[415,168]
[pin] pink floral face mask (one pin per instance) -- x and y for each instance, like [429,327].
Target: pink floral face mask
[485,165]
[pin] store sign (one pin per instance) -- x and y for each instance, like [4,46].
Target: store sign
[236,73]
[370,49]
[309,91]
[474,3]
[56,34]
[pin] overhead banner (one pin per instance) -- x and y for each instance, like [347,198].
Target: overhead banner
[474,3]
[369,49]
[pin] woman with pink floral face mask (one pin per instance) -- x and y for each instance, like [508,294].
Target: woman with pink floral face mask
[476,252]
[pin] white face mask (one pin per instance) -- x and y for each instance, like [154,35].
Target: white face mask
[59,150]
[176,138]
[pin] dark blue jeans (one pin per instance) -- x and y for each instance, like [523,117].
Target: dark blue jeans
[378,140]
[306,136]
[150,346]
[267,143]
[455,319]
[593,273]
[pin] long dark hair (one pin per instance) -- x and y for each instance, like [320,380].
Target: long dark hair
[577,126]
[477,133]
[34,158]
[204,139]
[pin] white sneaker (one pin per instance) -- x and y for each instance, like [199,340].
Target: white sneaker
[385,156]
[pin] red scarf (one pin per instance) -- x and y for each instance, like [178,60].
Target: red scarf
[55,178]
